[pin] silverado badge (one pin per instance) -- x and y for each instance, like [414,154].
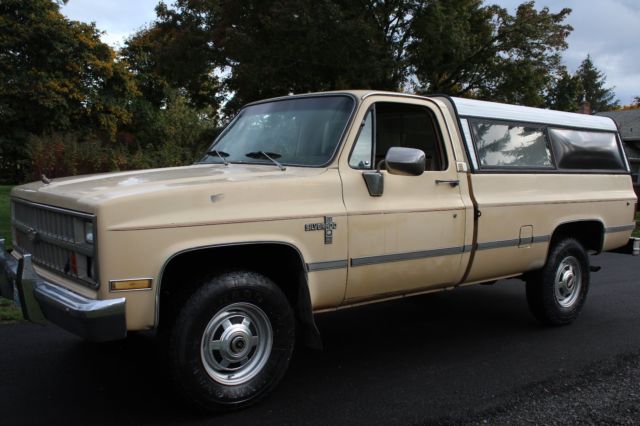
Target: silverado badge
[327,226]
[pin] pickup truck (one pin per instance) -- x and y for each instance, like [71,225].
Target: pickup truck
[311,203]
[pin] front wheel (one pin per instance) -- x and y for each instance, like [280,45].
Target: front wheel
[232,341]
[557,292]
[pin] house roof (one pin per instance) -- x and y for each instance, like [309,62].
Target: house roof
[628,122]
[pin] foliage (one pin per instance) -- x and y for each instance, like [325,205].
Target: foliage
[634,105]
[172,136]
[9,312]
[172,55]
[565,92]
[65,154]
[267,48]
[593,90]
[274,47]
[5,215]
[69,105]
[55,76]
[465,48]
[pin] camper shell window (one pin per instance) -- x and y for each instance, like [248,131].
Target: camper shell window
[585,150]
[503,146]
[511,145]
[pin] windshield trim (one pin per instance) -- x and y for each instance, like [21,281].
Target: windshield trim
[336,150]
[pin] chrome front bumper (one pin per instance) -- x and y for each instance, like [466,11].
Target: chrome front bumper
[42,301]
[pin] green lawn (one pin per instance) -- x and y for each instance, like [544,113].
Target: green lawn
[5,214]
[8,312]
[636,233]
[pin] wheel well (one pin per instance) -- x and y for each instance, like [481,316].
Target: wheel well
[590,233]
[281,262]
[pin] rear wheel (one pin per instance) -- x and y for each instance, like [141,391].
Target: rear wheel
[556,293]
[232,341]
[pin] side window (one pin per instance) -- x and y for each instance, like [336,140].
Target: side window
[585,150]
[501,144]
[361,154]
[398,125]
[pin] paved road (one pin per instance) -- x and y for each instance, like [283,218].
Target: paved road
[442,358]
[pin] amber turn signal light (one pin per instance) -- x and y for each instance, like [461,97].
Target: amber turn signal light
[124,285]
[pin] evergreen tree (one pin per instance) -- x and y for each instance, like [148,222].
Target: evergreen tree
[564,92]
[593,82]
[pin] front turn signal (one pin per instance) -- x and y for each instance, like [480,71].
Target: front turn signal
[124,285]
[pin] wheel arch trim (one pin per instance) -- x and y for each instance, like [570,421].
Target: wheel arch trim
[304,310]
[577,222]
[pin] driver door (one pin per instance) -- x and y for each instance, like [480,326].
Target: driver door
[411,238]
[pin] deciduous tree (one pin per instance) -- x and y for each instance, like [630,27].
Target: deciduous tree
[55,75]
[466,48]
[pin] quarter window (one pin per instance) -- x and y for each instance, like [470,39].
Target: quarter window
[363,149]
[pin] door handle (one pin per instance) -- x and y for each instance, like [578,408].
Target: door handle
[452,182]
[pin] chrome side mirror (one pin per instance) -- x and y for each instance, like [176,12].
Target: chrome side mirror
[398,161]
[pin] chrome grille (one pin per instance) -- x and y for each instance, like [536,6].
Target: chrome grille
[52,223]
[55,238]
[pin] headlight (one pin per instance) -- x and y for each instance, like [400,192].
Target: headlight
[88,232]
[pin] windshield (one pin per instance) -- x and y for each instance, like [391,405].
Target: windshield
[298,131]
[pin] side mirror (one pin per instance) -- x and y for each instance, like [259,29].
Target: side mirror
[398,161]
[405,161]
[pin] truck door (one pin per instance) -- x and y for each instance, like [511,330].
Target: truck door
[410,238]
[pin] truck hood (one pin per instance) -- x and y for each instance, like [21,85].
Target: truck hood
[85,193]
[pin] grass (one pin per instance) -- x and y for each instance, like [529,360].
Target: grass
[8,312]
[636,232]
[5,215]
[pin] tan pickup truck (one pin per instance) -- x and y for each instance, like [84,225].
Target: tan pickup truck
[312,203]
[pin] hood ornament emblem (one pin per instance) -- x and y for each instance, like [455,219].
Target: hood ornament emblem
[45,179]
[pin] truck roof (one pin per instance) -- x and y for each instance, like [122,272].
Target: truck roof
[493,110]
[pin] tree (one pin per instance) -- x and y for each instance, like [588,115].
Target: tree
[174,53]
[466,48]
[55,75]
[593,81]
[266,48]
[564,92]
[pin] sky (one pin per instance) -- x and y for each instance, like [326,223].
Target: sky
[608,30]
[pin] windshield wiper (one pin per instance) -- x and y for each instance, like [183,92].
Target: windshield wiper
[269,156]
[220,154]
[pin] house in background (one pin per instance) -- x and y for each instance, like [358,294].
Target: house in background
[628,122]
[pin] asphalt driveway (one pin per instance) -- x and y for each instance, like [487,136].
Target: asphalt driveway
[470,355]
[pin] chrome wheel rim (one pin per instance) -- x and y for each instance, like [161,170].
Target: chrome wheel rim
[236,343]
[568,282]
